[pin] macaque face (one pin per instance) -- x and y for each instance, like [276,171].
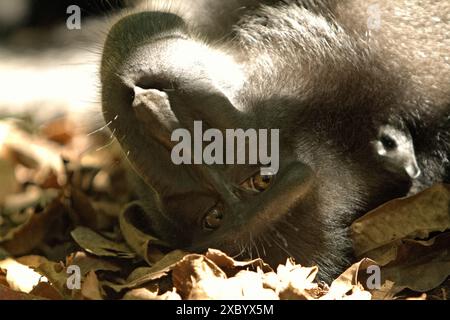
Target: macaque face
[161,83]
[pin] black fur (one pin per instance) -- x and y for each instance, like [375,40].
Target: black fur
[312,69]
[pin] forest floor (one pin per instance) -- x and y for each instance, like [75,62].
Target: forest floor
[68,231]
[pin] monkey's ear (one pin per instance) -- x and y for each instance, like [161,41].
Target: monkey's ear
[205,102]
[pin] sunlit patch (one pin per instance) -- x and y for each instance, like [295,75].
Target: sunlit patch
[20,277]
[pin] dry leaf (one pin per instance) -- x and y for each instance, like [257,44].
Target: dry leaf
[420,265]
[47,291]
[412,217]
[347,284]
[89,216]
[8,180]
[20,277]
[9,294]
[90,288]
[24,239]
[61,130]
[193,269]
[56,275]
[99,246]
[142,276]
[145,294]
[145,245]
[294,282]
[229,265]
[246,285]
[88,263]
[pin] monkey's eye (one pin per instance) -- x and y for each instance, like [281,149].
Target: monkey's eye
[258,183]
[213,219]
[388,142]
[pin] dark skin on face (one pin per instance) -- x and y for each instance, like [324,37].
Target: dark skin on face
[328,175]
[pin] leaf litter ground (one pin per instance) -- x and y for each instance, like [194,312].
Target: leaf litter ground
[68,231]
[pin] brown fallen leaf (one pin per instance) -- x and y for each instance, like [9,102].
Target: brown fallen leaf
[294,282]
[4,254]
[20,277]
[145,245]
[90,288]
[60,130]
[33,152]
[88,263]
[89,216]
[348,285]
[23,239]
[47,291]
[32,261]
[246,285]
[145,294]
[231,266]
[193,269]
[10,294]
[420,265]
[414,217]
[97,245]
[57,276]
[9,183]
[142,276]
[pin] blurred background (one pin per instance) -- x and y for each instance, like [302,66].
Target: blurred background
[46,69]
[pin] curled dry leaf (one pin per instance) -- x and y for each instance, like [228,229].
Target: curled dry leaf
[145,245]
[8,180]
[88,214]
[32,152]
[348,285]
[386,236]
[420,265]
[145,294]
[142,276]
[294,282]
[9,294]
[32,261]
[193,269]
[231,266]
[246,285]
[57,276]
[88,263]
[4,254]
[414,217]
[97,245]
[47,291]
[60,130]
[90,288]
[23,239]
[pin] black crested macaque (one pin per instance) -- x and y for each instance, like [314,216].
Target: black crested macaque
[328,74]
